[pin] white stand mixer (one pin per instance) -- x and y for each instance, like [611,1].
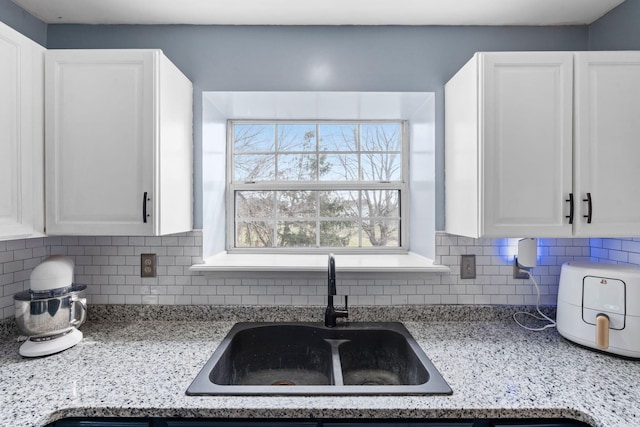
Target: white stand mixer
[52,309]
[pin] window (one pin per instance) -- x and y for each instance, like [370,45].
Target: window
[310,185]
[215,211]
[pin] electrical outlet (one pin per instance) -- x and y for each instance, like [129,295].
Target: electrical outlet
[147,265]
[467,266]
[517,274]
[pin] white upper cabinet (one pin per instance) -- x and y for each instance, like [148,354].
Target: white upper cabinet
[21,136]
[515,167]
[607,149]
[508,129]
[118,143]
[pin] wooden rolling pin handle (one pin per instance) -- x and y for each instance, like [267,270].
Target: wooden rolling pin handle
[602,331]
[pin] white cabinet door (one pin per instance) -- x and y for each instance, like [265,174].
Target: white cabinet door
[21,138]
[100,142]
[508,128]
[607,145]
[526,128]
[119,143]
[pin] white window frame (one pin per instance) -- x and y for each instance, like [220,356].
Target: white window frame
[219,107]
[402,186]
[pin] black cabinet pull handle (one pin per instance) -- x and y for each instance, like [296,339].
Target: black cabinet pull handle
[144,207]
[570,216]
[590,208]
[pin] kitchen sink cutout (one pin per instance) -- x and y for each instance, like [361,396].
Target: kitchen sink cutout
[311,359]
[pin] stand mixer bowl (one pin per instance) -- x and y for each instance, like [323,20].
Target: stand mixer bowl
[51,312]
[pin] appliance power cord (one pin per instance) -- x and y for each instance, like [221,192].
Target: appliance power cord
[541,315]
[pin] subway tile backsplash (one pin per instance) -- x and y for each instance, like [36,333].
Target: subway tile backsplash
[17,259]
[110,267]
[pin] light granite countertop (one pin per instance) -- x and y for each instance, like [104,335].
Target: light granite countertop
[141,366]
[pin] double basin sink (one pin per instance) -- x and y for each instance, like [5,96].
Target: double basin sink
[311,359]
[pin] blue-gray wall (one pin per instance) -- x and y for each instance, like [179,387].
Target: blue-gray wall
[278,58]
[618,29]
[23,22]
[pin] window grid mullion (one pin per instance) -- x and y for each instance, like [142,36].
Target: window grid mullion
[276,144]
[317,152]
[360,175]
[317,193]
[358,150]
[317,200]
[360,229]
[274,221]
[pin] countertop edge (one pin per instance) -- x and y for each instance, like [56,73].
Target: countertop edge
[323,413]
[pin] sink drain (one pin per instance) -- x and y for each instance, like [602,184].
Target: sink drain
[283,377]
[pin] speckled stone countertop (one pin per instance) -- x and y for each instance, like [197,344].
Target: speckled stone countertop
[142,363]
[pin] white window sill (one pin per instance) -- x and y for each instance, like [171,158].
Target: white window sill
[375,263]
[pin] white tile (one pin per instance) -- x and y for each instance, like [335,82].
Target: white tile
[152,241]
[283,300]
[415,299]
[390,290]
[166,299]
[266,299]
[183,299]
[116,299]
[482,299]
[299,300]
[449,299]
[408,289]
[150,299]
[499,299]
[175,270]
[216,300]
[249,300]
[382,300]
[399,299]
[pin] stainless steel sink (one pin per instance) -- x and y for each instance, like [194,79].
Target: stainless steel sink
[311,359]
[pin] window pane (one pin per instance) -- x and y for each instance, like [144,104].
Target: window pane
[381,137]
[338,167]
[253,138]
[317,185]
[338,137]
[254,234]
[297,167]
[254,167]
[297,234]
[339,234]
[381,204]
[297,204]
[381,167]
[299,137]
[339,204]
[377,232]
[254,204]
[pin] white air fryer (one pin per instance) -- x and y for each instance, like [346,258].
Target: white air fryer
[599,306]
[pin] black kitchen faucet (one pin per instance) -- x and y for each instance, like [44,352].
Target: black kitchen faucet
[331,313]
